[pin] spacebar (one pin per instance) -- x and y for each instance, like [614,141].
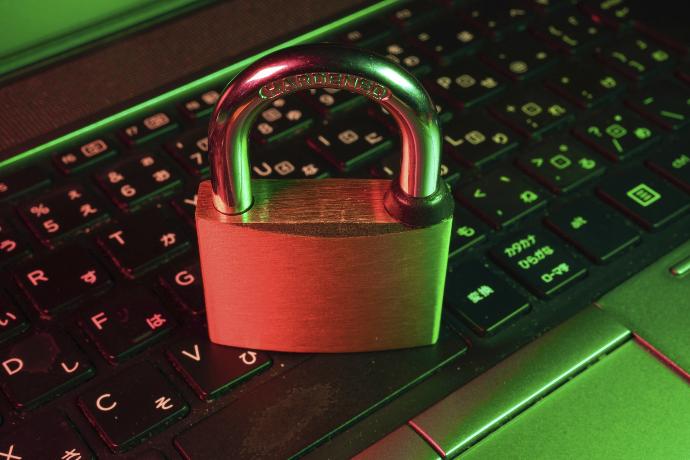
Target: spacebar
[306,405]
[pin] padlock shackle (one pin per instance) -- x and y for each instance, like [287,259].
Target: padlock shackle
[322,66]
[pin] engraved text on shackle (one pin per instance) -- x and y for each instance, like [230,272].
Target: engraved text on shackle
[345,81]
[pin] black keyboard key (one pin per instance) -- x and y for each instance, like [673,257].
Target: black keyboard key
[495,20]
[539,261]
[22,181]
[58,213]
[141,242]
[485,301]
[12,244]
[466,232]
[520,57]
[212,369]
[191,151]
[569,30]
[389,168]
[84,156]
[502,197]
[477,140]
[447,39]
[561,164]
[586,84]
[12,320]
[398,52]
[614,14]
[466,84]
[351,142]
[185,205]
[48,435]
[331,102]
[670,163]
[315,400]
[644,197]
[41,367]
[138,179]
[201,105]
[51,283]
[289,160]
[683,71]
[635,57]
[593,228]
[664,103]
[134,404]
[413,14]
[533,111]
[617,133]
[124,326]
[184,283]
[151,127]
[284,117]
[365,34]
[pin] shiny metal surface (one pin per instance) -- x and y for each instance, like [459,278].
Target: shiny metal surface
[321,66]
[400,444]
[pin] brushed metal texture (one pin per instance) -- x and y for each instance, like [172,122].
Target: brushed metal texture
[320,266]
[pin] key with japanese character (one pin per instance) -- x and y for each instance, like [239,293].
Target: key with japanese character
[62,212]
[84,156]
[134,404]
[51,284]
[139,243]
[12,245]
[12,320]
[121,327]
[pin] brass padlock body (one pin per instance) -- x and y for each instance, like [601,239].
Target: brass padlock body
[320,266]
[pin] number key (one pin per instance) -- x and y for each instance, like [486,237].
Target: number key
[149,128]
[191,151]
[466,84]
[533,112]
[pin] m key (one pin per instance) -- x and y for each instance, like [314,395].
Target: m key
[41,367]
[212,369]
[131,405]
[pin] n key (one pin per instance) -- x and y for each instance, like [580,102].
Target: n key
[41,367]
[137,402]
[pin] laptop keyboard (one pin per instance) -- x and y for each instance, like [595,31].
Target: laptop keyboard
[563,129]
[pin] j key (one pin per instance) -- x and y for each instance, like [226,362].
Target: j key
[304,399]
[447,39]
[201,105]
[466,84]
[12,320]
[22,181]
[389,167]
[408,58]
[635,57]
[40,367]
[352,142]
[413,14]
[670,163]
[64,211]
[586,84]
[151,127]
[123,326]
[51,283]
[138,179]
[143,241]
[521,58]
[48,435]
[593,228]
[562,164]
[285,117]
[135,404]
[664,103]
[84,156]
[569,30]
[191,151]
[185,205]
[502,197]
[496,20]
[184,283]
[539,261]
[12,245]
[289,160]
[477,140]
[617,133]
[467,231]
[331,101]
[213,369]
[644,197]
[533,112]
[482,299]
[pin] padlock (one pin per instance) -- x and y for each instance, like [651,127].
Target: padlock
[328,265]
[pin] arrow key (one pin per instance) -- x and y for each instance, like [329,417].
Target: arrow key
[213,369]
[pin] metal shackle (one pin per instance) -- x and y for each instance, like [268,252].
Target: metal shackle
[322,66]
